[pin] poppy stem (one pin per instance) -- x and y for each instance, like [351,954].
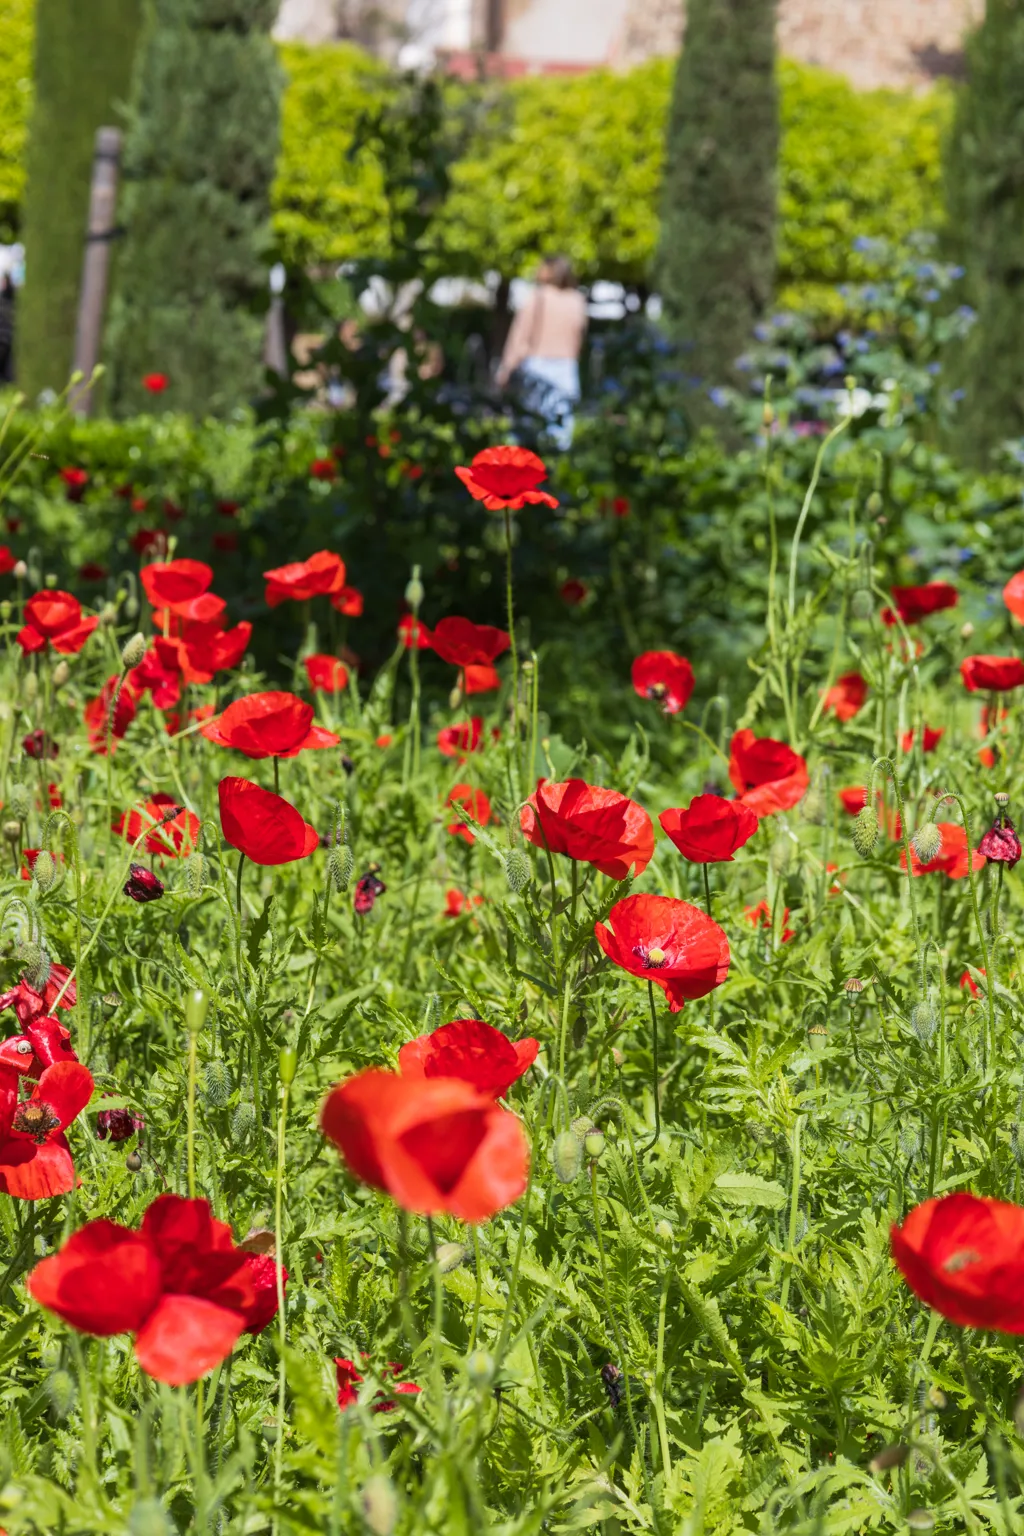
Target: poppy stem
[438,1330]
[622,1362]
[282,1121]
[506,1322]
[238,891]
[513,653]
[477,1297]
[193,1043]
[654,1080]
[277,776]
[707,890]
[794,1209]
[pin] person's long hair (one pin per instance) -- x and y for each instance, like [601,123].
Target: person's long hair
[557,270]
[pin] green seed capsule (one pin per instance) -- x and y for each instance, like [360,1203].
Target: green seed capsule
[865,831]
[594,1145]
[567,1156]
[216,1084]
[517,870]
[243,1121]
[61,1390]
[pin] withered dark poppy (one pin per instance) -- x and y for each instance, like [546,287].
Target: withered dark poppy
[142,885]
[368,887]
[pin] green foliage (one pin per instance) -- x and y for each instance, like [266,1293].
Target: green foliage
[199,159]
[15,96]
[986,209]
[715,266]
[69,103]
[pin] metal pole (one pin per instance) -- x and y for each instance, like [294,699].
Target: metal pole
[96,261]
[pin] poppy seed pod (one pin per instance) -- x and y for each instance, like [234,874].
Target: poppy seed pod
[60,1389]
[133,652]
[216,1084]
[12,832]
[44,870]
[817,1037]
[567,1156]
[517,870]
[414,593]
[927,842]
[594,1145]
[865,831]
[61,673]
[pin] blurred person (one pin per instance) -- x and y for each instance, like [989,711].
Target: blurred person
[7,303]
[543,349]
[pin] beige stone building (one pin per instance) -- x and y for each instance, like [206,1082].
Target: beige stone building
[873,42]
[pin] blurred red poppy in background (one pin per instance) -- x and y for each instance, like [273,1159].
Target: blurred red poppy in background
[326,674]
[348,1379]
[348,601]
[38,745]
[414,634]
[669,942]
[7,561]
[462,739]
[323,469]
[173,830]
[319,576]
[202,650]
[155,383]
[963,1255]
[710,829]
[595,825]
[767,774]
[573,592]
[846,696]
[106,722]
[664,677]
[457,903]
[75,481]
[466,644]
[992,674]
[916,603]
[480,680]
[471,1050]
[35,1161]
[435,1145]
[760,916]
[147,539]
[262,825]
[271,724]
[55,618]
[475,803]
[175,585]
[506,477]
[179,1284]
[951,858]
[929,740]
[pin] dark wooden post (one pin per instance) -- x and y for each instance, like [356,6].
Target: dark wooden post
[100,231]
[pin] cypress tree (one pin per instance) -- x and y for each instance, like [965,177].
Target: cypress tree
[716,257]
[200,154]
[985,203]
[82,72]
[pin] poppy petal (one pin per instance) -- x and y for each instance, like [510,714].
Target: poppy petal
[185,1337]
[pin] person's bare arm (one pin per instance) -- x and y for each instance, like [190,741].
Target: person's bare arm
[517,342]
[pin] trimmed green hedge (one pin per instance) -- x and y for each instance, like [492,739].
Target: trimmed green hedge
[15,100]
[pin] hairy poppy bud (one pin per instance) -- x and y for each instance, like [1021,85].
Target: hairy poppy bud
[874,504]
[380,1504]
[663,1230]
[61,673]
[30,688]
[920,1520]
[243,1121]
[814,806]
[33,961]
[966,630]
[582,1126]
[1017,1143]
[44,870]
[142,884]
[862,603]
[216,1083]
[340,864]
[149,1518]
[927,842]
[12,832]
[133,652]
[865,831]
[450,1256]
[195,873]
[131,606]
[480,1368]
[517,870]
[60,1389]
[20,802]
[923,1021]
[910,1140]
[567,1156]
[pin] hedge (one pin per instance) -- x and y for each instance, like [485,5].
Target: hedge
[15,100]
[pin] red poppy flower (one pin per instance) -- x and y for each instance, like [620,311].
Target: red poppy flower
[103,731]
[174,829]
[148,540]
[43,1043]
[383,740]
[506,477]
[1001,843]
[414,634]
[951,858]
[466,644]
[348,601]
[139,504]
[262,825]
[368,888]
[479,680]
[710,829]
[761,917]
[92,571]
[142,885]
[319,576]
[598,826]
[929,740]
[30,1004]
[229,508]
[620,506]
[75,481]
[916,603]
[269,724]
[175,584]
[963,1255]
[349,1378]
[173,511]
[55,618]
[225,543]
[573,592]
[326,674]
[35,1162]
[323,469]
[473,1051]
[433,1144]
[456,903]
[664,677]
[38,745]
[968,981]
[201,650]
[7,561]
[263,1268]
[990,674]
[155,383]
[179,1284]
[846,696]
[767,774]
[475,803]
[460,740]
[118,1124]
[159,672]
[669,942]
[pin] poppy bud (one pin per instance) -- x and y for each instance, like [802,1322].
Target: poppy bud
[594,1145]
[107,616]
[910,1141]
[517,870]
[60,1389]
[149,1518]
[216,1084]
[243,1121]
[61,673]
[380,1504]
[663,1229]
[966,630]
[20,802]
[455,697]
[33,961]
[862,604]
[287,1064]
[865,831]
[920,1520]
[131,606]
[195,872]
[889,1456]
[923,1021]
[814,806]
[780,854]
[567,1156]
[340,864]
[927,842]
[817,1037]
[414,593]
[12,832]
[874,504]
[480,1368]
[142,884]
[196,1008]
[449,1256]
[50,580]
[44,871]
[133,652]
[30,688]
[20,570]
[579,1031]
